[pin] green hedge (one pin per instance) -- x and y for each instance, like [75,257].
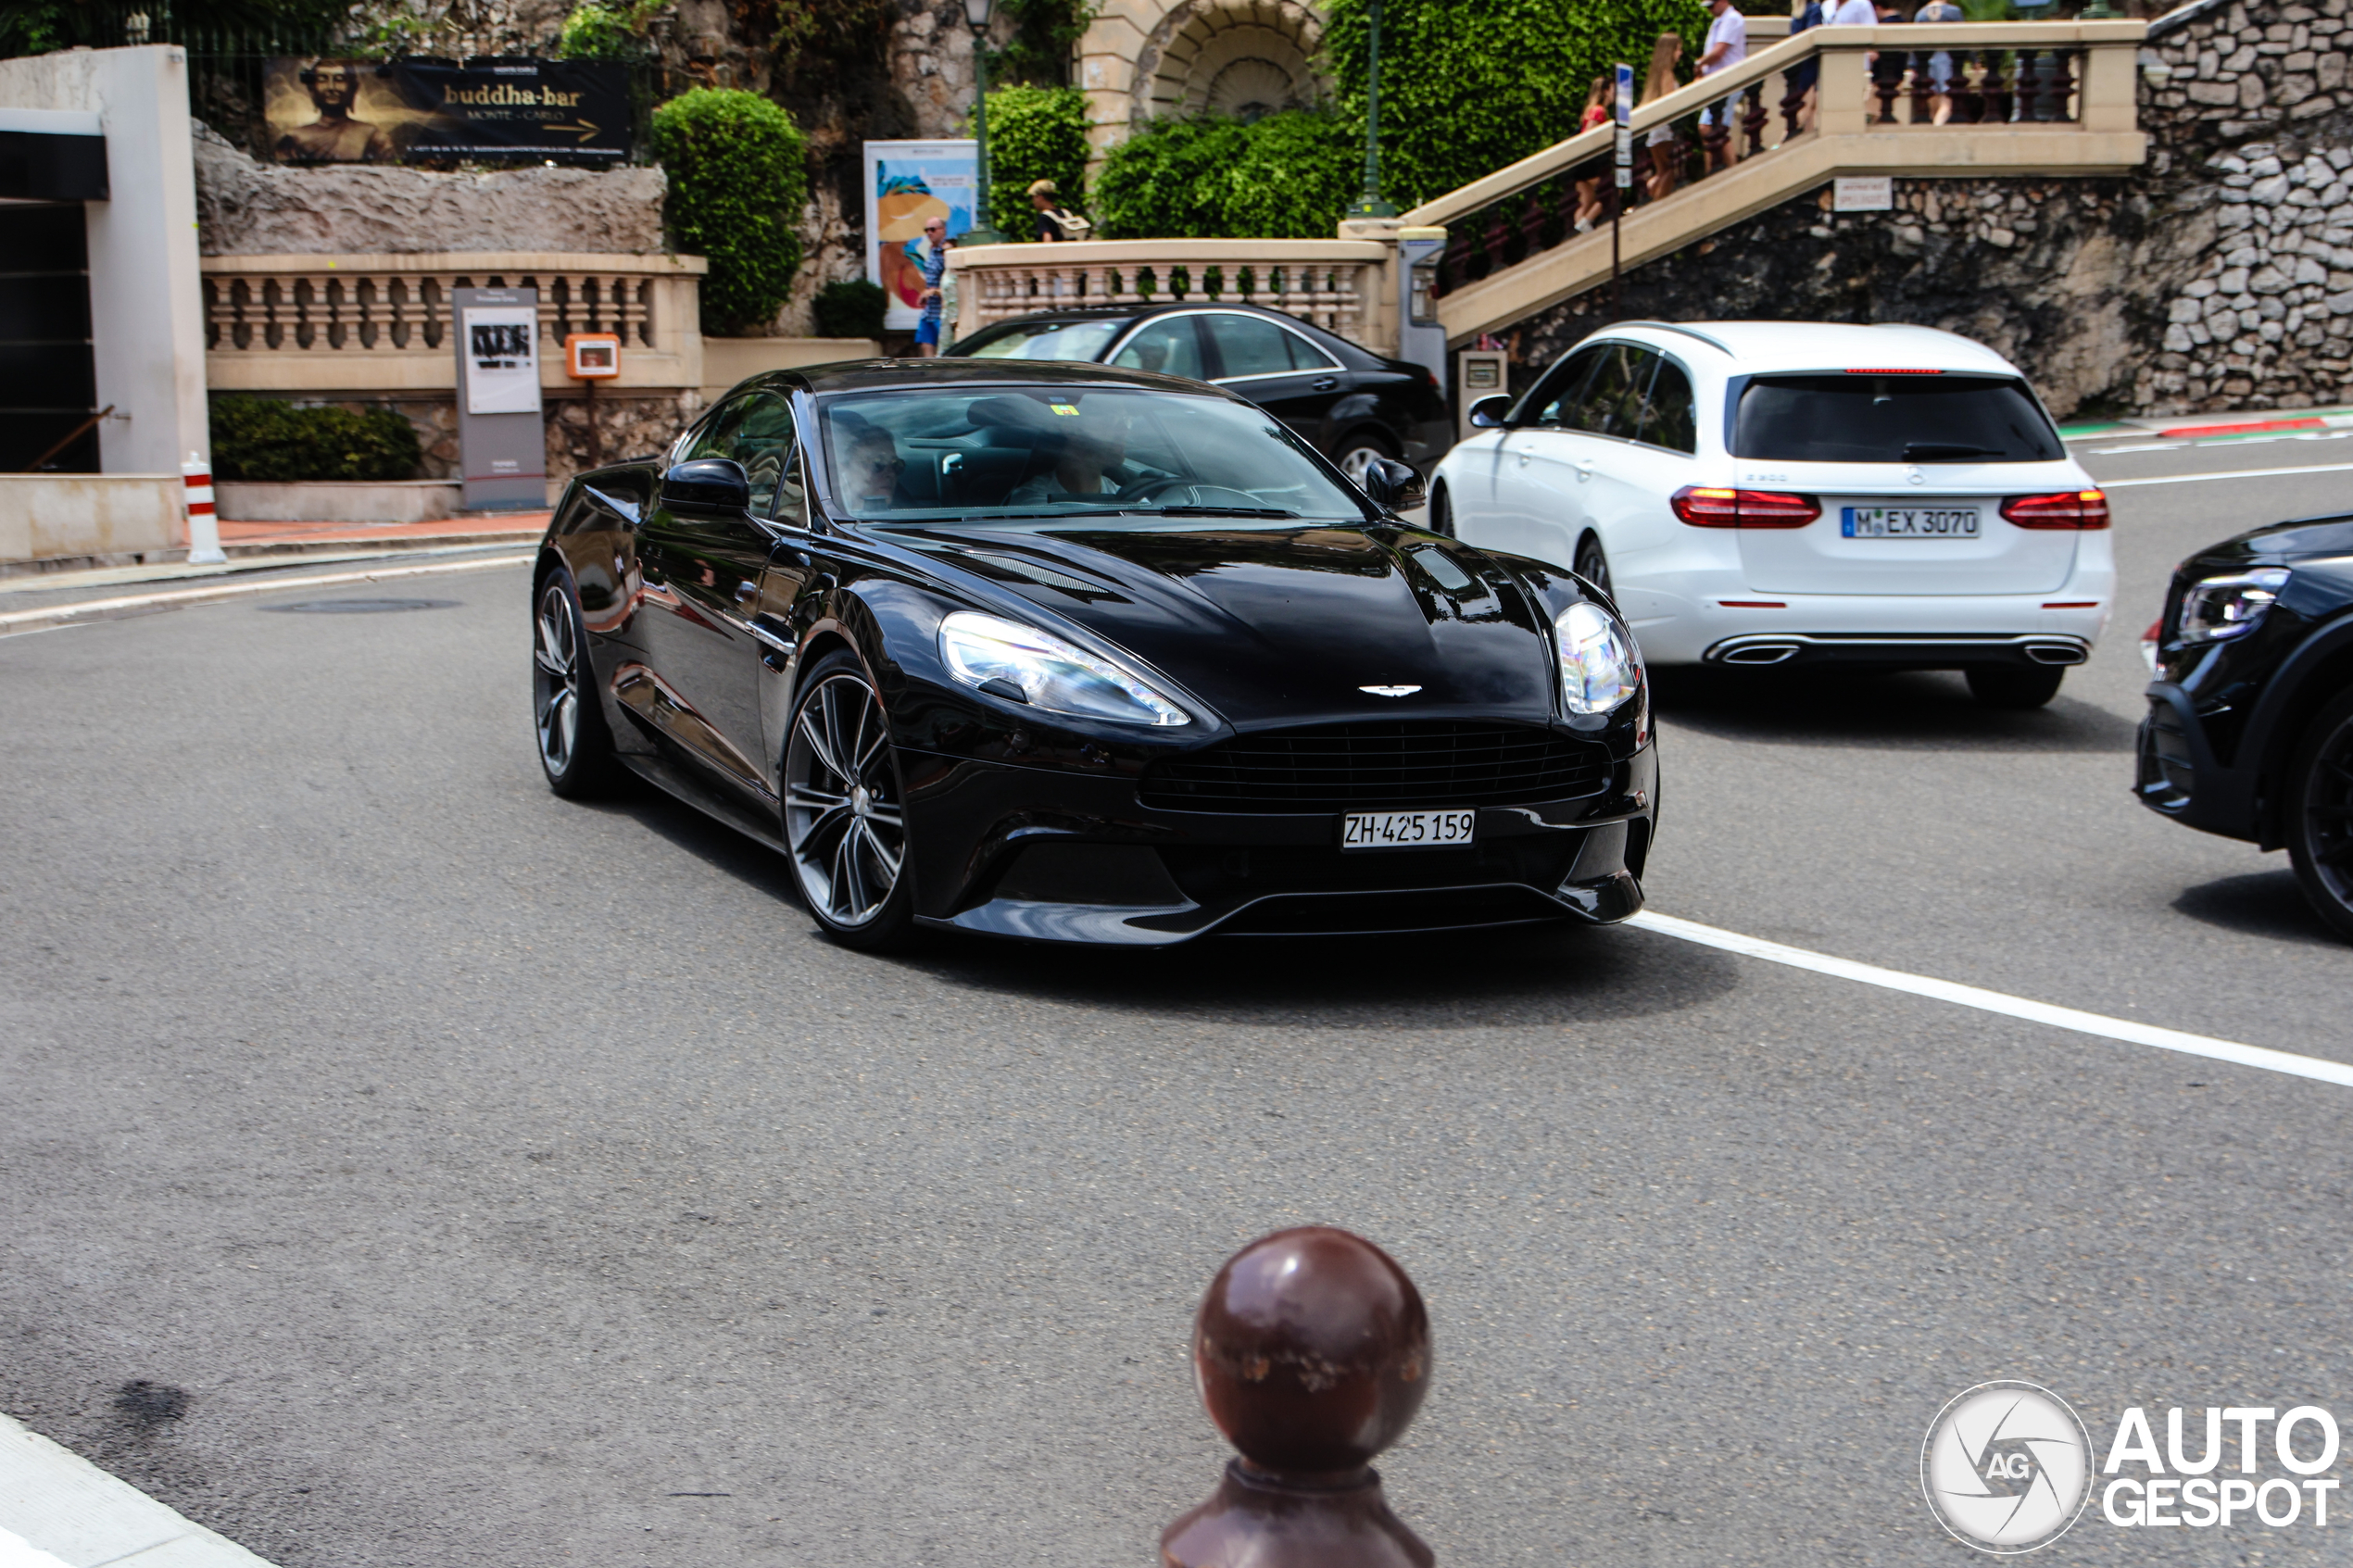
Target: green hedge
[1287,175]
[262,439]
[1034,134]
[850,308]
[739,171]
[1470,85]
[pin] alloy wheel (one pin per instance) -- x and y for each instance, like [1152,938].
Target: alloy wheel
[554,680]
[1357,461]
[843,820]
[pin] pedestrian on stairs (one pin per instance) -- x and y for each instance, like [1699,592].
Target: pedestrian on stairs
[1589,207]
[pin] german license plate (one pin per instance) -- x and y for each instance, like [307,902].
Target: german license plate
[1912,523]
[1405,830]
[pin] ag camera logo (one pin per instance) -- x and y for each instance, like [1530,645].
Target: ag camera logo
[2007,1467]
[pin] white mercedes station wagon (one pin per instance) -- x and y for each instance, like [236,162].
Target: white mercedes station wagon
[1782,492]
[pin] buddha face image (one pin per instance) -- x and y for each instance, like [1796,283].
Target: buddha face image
[335,136]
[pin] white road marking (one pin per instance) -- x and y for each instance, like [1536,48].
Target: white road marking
[2122,1029]
[59,1510]
[50,616]
[2235,473]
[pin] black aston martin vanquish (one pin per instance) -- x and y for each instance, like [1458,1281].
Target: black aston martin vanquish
[1074,654]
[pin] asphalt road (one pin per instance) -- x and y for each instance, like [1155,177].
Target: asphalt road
[499,1181]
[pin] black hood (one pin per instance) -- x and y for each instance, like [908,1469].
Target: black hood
[1283,625]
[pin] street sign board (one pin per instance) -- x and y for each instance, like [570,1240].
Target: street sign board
[1863,192]
[502,444]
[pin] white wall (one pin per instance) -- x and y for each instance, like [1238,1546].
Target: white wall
[147,299]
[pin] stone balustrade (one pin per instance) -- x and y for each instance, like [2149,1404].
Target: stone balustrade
[1329,283]
[382,323]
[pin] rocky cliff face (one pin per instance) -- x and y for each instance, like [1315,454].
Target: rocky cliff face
[248,208]
[2220,277]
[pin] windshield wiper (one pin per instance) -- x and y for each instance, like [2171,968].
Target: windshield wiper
[1215,511]
[1915,450]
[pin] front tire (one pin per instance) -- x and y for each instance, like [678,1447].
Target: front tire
[575,749]
[845,814]
[1441,512]
[2319,814]
[2011,687]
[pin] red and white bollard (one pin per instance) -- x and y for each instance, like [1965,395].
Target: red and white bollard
[204,529]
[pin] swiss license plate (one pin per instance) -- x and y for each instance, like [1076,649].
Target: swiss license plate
[1405,830]
[1911,522]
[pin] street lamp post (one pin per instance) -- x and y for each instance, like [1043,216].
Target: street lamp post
[984,229]
[1370,204]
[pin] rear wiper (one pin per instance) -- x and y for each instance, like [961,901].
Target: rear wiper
[1915,450]
[1215,512]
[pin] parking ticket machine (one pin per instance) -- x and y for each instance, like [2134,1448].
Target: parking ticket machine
[1420,337]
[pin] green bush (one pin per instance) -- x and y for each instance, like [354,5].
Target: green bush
[853,307]
[262,439]
[1462,90]
[738,172]
[1034,134]
[1287,175]
[1296,181]
[596,31]
[1169,180]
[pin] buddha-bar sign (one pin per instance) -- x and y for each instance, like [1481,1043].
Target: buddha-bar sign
[324,109]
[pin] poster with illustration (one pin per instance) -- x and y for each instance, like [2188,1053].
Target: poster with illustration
[908,183]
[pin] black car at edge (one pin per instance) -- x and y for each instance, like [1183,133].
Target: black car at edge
[1139,712]
[2249,732]
[1353,406]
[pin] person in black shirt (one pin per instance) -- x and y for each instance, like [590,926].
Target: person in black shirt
[1043,195]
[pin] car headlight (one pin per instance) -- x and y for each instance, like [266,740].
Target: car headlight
[1022,664]
[1599,666]
[2217,608]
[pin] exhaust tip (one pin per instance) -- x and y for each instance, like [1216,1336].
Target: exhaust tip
[2054,653]
[1760,653]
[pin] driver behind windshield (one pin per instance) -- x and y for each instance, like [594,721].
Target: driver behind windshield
[1092,443]
[871,463]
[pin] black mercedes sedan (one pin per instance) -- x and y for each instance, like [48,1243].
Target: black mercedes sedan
[2249,732]
[1353,406]
[1086,655]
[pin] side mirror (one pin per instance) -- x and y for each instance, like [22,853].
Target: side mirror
[708,485]
[1394,485]
[1489,411]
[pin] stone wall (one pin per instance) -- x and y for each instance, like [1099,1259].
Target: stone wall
[249,207]
[2220,277]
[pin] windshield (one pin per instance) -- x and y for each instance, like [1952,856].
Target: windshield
[1860,417]
[1050,452]
[1076,342]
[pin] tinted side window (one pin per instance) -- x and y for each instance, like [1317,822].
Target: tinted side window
[1611,403]
[1250,345]
[765,442]
[1168,346]
[1670,415]
[1550,401]
[1305,355]
[715,436]
[1874,419]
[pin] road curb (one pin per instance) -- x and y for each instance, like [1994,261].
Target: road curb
[57,1508]
[50,617]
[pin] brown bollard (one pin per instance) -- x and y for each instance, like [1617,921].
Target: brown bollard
[1312,1351]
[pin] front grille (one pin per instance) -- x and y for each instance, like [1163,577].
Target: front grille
[1395,764]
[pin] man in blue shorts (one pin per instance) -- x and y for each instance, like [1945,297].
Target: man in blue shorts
[933,263]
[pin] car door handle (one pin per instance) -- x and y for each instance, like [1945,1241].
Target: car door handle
[747,592]
[1584,471]
[1324,383]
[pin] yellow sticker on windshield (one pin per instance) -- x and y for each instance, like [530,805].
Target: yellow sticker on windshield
[1064,408]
